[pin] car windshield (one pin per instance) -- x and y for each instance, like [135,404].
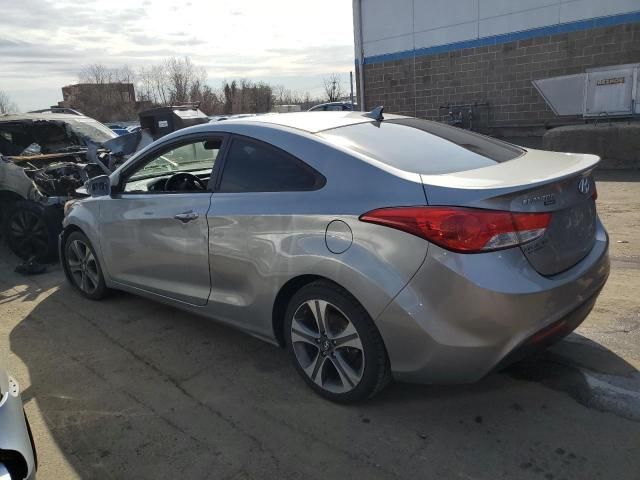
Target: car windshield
[31,137]
[422,146]
[91,129]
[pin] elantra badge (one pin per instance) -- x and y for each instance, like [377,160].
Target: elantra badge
[546,199]
[584,186]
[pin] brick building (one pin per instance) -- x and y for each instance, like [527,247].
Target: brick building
[106,102]
[416,56]
[79,92]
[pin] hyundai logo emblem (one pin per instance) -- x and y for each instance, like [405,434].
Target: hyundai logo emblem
[584,186]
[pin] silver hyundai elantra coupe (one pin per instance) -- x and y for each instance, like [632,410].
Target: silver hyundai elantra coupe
[371,247]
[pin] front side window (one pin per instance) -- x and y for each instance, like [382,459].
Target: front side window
[255,167]
[195,159]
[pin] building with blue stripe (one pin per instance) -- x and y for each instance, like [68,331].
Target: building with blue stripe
[437,58]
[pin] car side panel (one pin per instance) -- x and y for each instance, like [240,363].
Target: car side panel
[258,241]
[253,255]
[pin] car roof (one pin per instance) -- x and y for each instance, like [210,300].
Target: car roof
[17,117]
[312,122]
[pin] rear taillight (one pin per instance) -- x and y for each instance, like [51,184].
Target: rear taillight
[466,230]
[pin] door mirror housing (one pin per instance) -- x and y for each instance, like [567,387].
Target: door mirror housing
[99,186]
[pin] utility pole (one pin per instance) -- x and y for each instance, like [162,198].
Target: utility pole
[351,84]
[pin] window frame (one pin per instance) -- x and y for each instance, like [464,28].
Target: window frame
[164,147]
[321,180]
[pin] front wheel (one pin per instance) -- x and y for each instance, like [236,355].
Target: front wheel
[334,344]
[82,266]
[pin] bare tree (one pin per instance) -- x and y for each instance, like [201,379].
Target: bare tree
[6,105]
[229,90]
[96,73]
[182,75]
[153,85]
[281,94]
[284,96]
[178,80]
[333,87]
[307,101]
[125,74]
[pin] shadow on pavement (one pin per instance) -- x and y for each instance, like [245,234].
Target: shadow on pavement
[21,293]
[132,388]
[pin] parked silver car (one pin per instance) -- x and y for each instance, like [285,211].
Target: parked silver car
[370,247]
[17,451]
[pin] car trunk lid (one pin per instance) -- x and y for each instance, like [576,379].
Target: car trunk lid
[538,181]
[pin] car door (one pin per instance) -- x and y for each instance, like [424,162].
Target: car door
[155,236]
[252,217]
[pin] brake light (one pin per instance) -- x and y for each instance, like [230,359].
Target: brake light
[466,230]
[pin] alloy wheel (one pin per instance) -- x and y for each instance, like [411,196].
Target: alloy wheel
[28,232]
[83,266]
[327,346]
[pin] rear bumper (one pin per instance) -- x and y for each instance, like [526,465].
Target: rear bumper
[17,452]
[550,334]
[462,316]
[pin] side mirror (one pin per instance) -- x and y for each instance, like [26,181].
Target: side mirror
[99,186]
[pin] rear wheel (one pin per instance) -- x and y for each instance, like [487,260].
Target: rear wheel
[334,344]
[83,268]
[31,231]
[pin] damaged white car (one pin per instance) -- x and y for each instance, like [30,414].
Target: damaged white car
[44,157]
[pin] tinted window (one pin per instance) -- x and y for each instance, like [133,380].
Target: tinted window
[422,146]
[256,167]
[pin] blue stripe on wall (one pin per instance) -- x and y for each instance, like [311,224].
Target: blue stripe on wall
[507,37]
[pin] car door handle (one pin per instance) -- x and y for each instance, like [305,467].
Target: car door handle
[186,216]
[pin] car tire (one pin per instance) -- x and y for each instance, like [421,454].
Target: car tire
[82,266]
[342,358]
[31,231]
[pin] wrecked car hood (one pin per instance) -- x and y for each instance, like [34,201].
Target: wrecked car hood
[57,176]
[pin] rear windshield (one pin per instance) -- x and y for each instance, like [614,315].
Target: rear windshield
[422,146]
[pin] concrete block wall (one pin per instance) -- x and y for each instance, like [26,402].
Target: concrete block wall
[499,74]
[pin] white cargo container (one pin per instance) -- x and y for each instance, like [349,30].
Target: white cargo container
[599,92]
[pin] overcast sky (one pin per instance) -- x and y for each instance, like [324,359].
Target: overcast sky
[45,43]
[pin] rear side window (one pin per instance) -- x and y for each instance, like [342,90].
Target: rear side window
[252,166]
[421,146]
